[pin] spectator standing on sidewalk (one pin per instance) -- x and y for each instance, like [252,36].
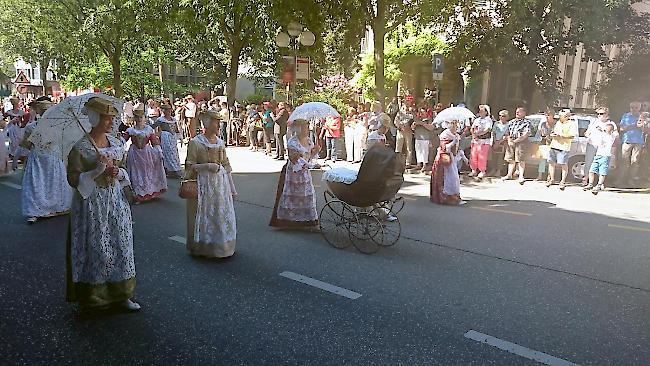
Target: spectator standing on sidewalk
[267,120]
[423,131]
[543,137]
[603,137]
[517,137]
[499,142]
[352,149]
[190,115]
[481,131]
[633,142]
[564,131]
[404,143]
[592,135]
[280,129]
[332,131]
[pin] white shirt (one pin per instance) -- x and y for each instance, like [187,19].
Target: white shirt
[128,109]
[225,116]
[483,124]
[604,143]
[190,112]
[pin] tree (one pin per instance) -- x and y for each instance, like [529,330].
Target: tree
[409,42]
[626,79]
[26,34]
[531,35]
[385,16]
[230,31]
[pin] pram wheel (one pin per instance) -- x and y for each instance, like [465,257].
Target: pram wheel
[335,220]
[366,233]
[391,227]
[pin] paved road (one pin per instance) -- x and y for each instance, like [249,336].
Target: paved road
[533,270]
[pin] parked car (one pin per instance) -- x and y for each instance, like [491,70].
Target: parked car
[538,150]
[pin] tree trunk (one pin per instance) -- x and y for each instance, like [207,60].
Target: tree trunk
[379,33]
[43,64]
[161,76]
[528,87]
[117,72]
[233,71]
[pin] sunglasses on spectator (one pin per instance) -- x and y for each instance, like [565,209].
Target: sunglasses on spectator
[601,113]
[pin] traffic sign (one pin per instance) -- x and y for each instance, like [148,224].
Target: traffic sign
[438,63]
[21,78]
[302,68]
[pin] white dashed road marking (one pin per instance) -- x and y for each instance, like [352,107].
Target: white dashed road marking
[178,239]
[518,350]
[321,285]
[9,184]
[517,213]
[633,228]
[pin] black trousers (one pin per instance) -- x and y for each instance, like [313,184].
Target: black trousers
[279,144]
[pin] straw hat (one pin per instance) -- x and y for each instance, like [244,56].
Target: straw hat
[101,106]
[139,110]
[209,116]
[43,101]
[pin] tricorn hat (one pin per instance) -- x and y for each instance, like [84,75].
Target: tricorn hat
[139,110]
[43,101]
[101,106]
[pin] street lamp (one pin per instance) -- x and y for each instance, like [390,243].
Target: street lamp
[299,36]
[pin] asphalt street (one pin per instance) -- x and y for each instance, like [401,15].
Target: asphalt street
[561,277]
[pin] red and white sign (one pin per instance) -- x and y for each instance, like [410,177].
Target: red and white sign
[302,68]
[21,78]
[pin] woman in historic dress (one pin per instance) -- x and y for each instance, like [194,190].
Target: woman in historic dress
[45,191]
[15,132]
[166,126]
[295,202]
[211,222]
[144,161]
[100,270]
[4,154]
[445,181]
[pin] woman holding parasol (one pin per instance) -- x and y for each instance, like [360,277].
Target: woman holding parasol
[295,202]
[445,181]
[100,270]
[45,192]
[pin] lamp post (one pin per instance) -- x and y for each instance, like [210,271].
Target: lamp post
[293,38]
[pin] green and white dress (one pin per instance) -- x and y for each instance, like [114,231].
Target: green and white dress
[100,269]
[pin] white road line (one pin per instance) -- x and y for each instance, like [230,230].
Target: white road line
[633,228]
[518,350]
[517,213]
[9,184]
[321,285]
[178,239]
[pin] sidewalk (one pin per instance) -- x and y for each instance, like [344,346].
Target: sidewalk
[631,205]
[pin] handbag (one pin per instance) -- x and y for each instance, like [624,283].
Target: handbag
[189,189]
[445,159]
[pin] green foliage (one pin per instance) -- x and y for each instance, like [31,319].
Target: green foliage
[421,44]
[530,35]
[626,79]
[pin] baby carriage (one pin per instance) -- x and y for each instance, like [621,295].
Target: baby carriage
[361,208]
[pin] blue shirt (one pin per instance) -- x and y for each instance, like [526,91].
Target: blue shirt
[635,135]
[268,120]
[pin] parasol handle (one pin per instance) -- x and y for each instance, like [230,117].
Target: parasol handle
[87,134]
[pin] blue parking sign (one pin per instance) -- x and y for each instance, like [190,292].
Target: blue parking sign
[438,63]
